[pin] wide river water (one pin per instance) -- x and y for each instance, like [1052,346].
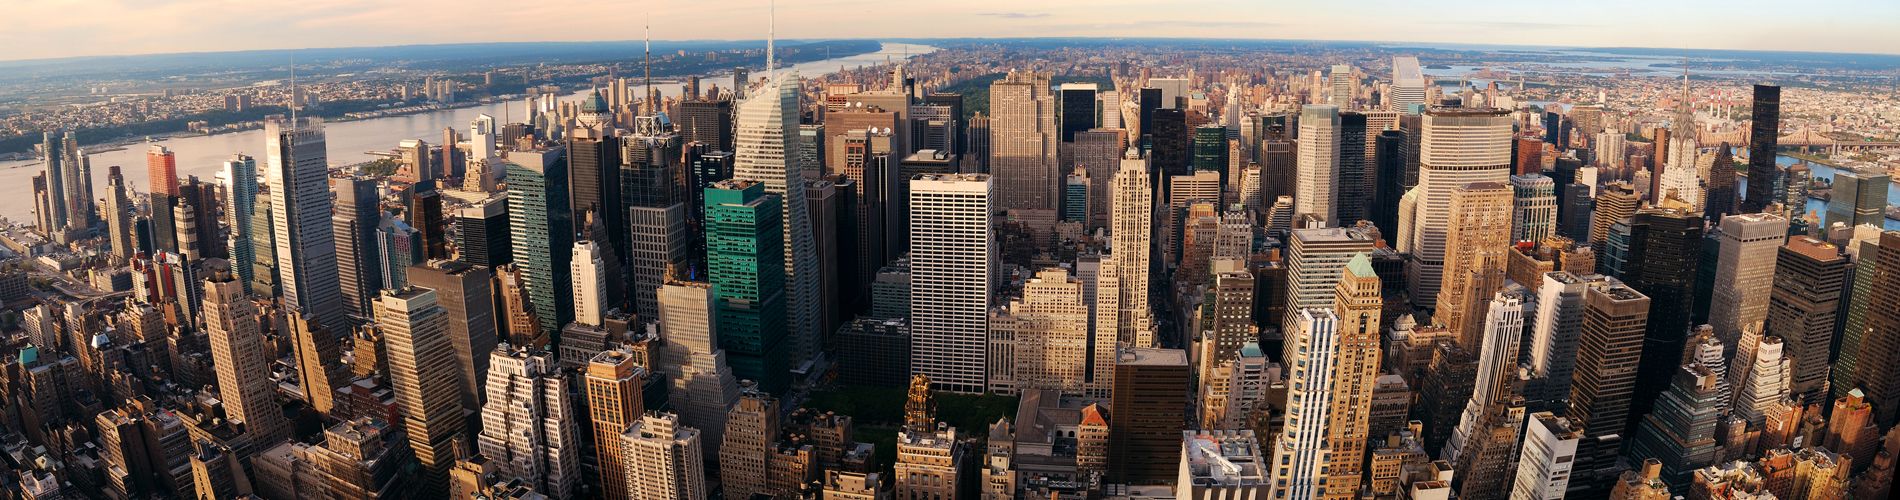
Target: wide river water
[349,141]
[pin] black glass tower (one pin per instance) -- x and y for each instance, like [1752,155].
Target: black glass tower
[1764,134]
[1665,253]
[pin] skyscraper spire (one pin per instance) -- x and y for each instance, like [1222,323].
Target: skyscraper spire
[293,92]
[647,65]
[771,33]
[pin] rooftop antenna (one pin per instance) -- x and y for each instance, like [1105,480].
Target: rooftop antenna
[771,33]
[647,93]
[293,91]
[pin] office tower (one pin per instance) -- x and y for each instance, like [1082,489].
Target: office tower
[1353,190]
[1534,214]
[664,460]
[398,246]
[1079,110]
[161,168]
[422,210]
[482,235]
[1482,448]
[1857,198]
[1316,185]
[1555,332]
[1303,452]
[657,211]
[1549,453]
[57,178]
[297,167]
[1458,147]
[1664,251]
[1042,341]
[1315,258]
[1185,192]
[240,205]
[752,429]
[423,374]
[707,122]
[1759,375]
[1719,196]
[1850,428]
[951,261]
[703,387]
[1476,242]
[527,428]
[1342,84]
[119,214]
[1408,85]
[1147,101]
[1023,142]
[1075,197]
[1355,371]
[1208,150]
[194,215]
[1168,142]
[1221,464]
[1150,399]
[1099,154]
[541,233]
[612,386]
[1614,202]
[1574,207]
[1744,273]
[464,291]
[317,354]
[1803,308]
[744,253]
[589,279]
[767,125]
[1681,433]
[1609,349]
[594,187]
[1876,346]
[242,358]
[1388,168]
[1764,133]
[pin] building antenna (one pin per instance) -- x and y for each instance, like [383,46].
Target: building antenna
[647,93]
[771,33]
[293,91]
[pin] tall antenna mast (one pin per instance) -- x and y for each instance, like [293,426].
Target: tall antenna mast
[771,33]
[293,91]
[647,93]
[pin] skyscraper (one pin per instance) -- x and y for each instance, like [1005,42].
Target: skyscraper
[319,372]
[594,187]
[1302,453]
[1664,252]
[465,294]
[1764,133]
[1150,400]
[1354,189]
[1041,341]
[542,233]
[664,460]
[1131,229]
[1389,170]
[1550,452]
[745,459]
[658,238]
[1803,308]
[1744,273]
[1614,202]
[745,257]
[57,206]
[242,358]
[1681,433]
[1023,138]
[122,235]
[1314,259]
[1554,337]
[1857,198]
[952,258]
[1408,85]
[1079,109]
[1316,185]
[1459,147]
[1343,86]
[1355,372]
[481,232]
[240,205]
[1609,349]
[359,256]
[1476,243]
[1534,214]
[612,384]
[297,168]
[766,130]
[1876,369]
[528,429]
[422,372]
[703,386]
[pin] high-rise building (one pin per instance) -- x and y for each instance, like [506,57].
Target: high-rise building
[1863,250]
[1744,273]
[1388,170]
[745,459]
[122,235]
[1554,337]
[1549,453]
[1150,401]
[594,187]
[1857,198]
[53,212]
[1477,241]
[1534,213]
[1803,309]
[297,168]
[1315,258]
[1458,147]
[703,387]
[1681,434]
[242,358]
[1483,447]
[952,274]
[1302,452]
[319,373]
[1664,252]
[1353,191]
[1343,86]
[1408,85]
[664,460]
[1221,464]
[658,237]
[1042,341]
[1355,374]
[482,235]
[612,387]
[1316,184]
[528,429]
[745,257]
[541,233]
[1764,133]
[399,245]
[1876,368]
[765,131]
[1614,202]
[1609,349]
[423,374]
[465,292]
[707,122]
[1079,109]
[1023,138]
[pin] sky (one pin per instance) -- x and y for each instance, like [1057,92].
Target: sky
[66,28]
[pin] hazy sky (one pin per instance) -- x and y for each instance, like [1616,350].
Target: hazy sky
[60,28]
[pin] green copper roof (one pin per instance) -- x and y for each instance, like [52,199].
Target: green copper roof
[1361,265]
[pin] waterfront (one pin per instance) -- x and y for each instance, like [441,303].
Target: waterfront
[347,141]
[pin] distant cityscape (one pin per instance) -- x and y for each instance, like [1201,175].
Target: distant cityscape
[947,269]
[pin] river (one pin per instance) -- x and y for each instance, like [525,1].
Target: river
[349,141]
[1820,171]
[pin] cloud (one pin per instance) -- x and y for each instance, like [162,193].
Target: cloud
[1014,15]
[1513,25]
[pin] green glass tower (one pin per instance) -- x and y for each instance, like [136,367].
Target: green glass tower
[542,230]
[745,257]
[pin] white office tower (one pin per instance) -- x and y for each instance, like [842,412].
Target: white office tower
[1459,146]
[1315,260]
[765,126]
[1555,328]
[297,166]
[1497,368]
[1744,273]
[481,138]
[1766,382]
[1549,451]
[590,284]
[952,256]
[1316,171]
[1023,137]
[703,385]
[1302,453]
[664,460]
[1343,86]
[1611,148]
[1110,103]
[528,428]
[1534,208]
[1131,226]
[241,357]
[1408,84]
